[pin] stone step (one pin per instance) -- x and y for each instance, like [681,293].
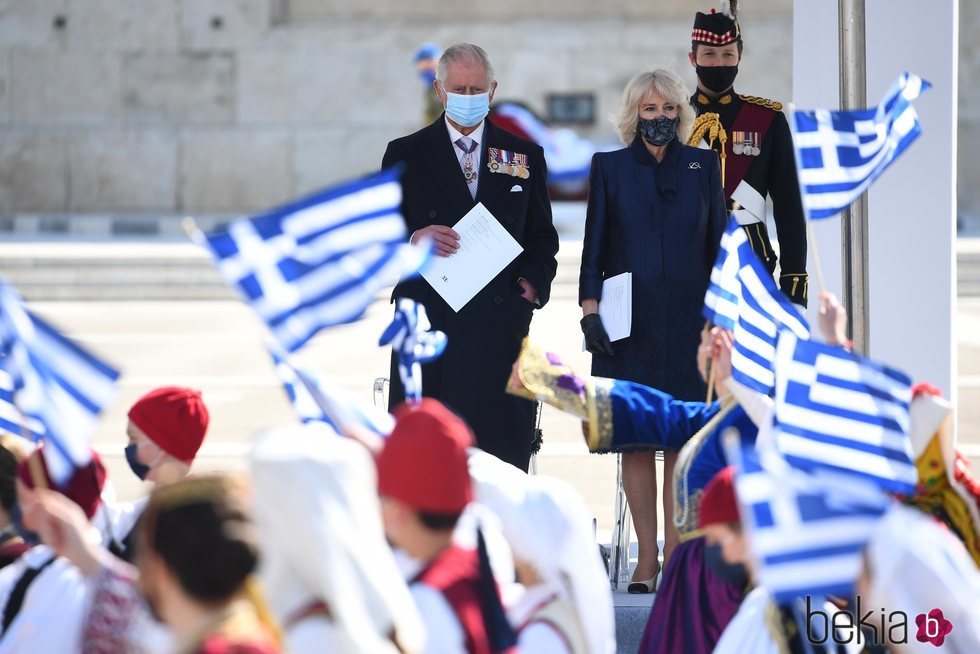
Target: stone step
[155,270]
[180,270]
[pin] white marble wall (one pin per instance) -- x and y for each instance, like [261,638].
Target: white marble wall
[233,105]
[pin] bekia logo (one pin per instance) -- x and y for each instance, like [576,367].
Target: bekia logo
[843,627]
[933,627]
[881,628]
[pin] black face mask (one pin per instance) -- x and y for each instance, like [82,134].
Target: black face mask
[659,131]
[725,571]
[717,79]
[17,519]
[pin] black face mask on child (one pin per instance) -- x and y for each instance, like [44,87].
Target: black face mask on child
[725,571]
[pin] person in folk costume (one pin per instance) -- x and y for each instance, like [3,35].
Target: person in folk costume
[565,607]
[196,552]
[913,564]
[946,490]
[425,485]
[13,450]
[460,160]
[693,605]
[758,159]
[329,576]
[760,626]
[166,428]
[43,597]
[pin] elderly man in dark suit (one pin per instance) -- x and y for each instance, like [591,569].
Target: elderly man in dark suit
[452,164]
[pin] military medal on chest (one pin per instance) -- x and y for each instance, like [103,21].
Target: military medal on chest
[508,163]
[748,144]
[467,146]
[469,172]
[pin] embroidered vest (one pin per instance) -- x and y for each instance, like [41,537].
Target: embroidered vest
[456,574]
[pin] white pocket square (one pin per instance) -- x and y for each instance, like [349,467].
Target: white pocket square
[516,188]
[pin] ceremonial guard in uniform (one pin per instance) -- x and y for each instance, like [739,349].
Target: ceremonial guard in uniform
[756,150]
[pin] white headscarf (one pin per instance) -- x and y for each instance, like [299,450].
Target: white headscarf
[547,524]
[318,513]
[917,565]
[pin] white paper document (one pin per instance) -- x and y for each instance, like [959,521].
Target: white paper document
[485,248]
[616,306]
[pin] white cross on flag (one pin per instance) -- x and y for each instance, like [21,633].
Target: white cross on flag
[840,153]
[318,261]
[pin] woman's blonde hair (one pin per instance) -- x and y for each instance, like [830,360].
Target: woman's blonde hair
[668,85]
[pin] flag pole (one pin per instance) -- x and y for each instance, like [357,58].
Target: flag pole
[37,472]
[711,382]
[854,219]
[817,268]
[189,225]
[33,463]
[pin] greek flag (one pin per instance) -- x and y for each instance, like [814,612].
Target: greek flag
[409,336]
[743,298]
[840,153]
[11,419]
[805,532]
[58,388]
[316,399]
[319,261]
[838,411]
[724,289]
[763,312]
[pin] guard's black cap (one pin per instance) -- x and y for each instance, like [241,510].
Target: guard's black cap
[716,28]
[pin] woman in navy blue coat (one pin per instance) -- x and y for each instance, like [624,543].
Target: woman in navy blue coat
[656,209]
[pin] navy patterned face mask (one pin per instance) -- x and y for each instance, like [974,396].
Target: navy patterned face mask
[658,131]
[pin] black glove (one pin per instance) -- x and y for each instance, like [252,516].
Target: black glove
[596,338]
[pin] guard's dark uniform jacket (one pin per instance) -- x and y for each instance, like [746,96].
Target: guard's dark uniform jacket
[759,162]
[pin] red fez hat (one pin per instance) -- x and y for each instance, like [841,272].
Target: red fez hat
[718,504]
[174,418]
[84,488]
[423,463]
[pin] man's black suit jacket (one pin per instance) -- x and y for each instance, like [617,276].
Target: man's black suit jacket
[484,337]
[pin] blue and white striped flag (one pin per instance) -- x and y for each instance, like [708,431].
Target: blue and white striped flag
[763,311]
[743,298]
[840,153]
[805,533]
[721,300]
[410,337]
[59,388]
[316,399]
[319,261]
[838,411]
[11,419]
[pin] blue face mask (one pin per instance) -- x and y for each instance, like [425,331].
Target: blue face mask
[467,110]
[17,520]
[427,76]
[139,469]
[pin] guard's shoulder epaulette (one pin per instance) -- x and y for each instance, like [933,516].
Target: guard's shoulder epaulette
[763,102]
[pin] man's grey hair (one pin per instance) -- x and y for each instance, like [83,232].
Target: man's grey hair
[460,52]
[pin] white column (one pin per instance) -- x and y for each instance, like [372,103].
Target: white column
[912,207]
